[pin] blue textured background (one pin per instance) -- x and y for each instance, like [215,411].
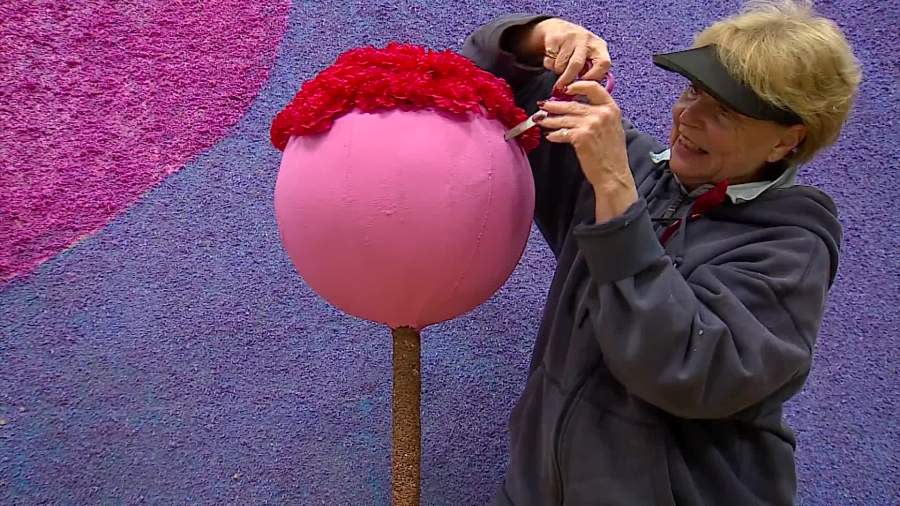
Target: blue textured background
[176,358]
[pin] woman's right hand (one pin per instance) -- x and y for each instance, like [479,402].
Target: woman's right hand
[567,48]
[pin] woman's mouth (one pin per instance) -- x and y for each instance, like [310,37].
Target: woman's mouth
[689,145]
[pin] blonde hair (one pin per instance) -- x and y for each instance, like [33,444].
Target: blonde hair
[794,59]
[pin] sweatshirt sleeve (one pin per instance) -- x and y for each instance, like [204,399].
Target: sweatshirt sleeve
[737,330]
[558,179]
[557,175]
[485,47]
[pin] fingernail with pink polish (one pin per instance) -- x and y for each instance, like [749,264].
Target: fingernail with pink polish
[539,116]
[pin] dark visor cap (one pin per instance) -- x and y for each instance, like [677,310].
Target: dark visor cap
[702,66]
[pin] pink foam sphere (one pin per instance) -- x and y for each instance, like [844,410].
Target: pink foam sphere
[406,218]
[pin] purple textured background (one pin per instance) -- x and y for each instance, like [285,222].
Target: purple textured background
[175,357]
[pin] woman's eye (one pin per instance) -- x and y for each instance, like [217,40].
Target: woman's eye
[693,90]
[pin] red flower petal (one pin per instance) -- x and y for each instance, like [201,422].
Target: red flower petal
[400,76]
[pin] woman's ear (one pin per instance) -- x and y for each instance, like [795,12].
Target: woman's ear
[790,138]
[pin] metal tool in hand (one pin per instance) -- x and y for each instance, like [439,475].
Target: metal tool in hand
[557,95]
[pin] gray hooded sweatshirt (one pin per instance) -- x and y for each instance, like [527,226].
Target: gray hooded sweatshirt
[660,371]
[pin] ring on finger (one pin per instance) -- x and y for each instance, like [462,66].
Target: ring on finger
[552,53]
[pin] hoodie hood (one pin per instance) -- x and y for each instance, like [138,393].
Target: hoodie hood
[800,206]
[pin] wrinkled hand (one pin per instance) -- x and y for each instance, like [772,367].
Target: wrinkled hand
[568,47]
[595,130]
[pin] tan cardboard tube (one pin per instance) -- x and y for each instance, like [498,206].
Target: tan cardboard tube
[407,428]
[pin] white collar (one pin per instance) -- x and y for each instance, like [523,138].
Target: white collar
[744,192]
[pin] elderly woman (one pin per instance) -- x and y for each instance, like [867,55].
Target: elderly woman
[691,277]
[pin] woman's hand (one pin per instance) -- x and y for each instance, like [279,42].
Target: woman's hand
[594,129]
[568,48]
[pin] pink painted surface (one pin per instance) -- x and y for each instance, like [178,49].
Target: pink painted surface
[405,218]
[102,100]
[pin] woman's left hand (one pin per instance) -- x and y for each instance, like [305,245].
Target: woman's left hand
[595,131]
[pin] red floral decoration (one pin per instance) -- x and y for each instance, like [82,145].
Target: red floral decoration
[400,76]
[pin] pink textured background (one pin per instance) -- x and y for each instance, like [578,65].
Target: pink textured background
[102,100]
